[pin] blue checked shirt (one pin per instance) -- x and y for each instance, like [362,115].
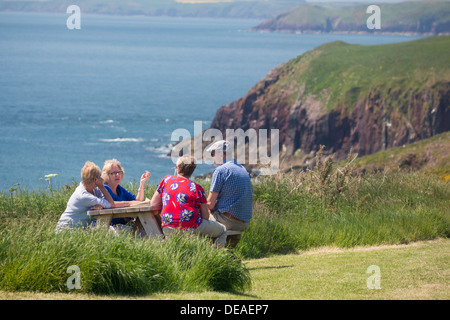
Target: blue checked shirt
[232,182]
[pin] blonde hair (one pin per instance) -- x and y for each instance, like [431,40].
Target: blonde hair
[89,172]
[107,169]
[186,166]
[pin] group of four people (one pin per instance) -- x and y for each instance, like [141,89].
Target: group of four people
[182,202]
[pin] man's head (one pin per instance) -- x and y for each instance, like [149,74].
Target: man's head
[186,166]
[218,151]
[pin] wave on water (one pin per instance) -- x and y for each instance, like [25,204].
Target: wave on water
[107,121]
[163,151]
[123,140]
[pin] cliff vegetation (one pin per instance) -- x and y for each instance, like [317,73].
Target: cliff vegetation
[419,17]
[347,96]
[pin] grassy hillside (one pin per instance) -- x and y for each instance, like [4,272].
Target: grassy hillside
[430,155]
[432,16]
[216,9]
[339,73]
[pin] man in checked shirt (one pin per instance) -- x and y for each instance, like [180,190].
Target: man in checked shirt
[230,199]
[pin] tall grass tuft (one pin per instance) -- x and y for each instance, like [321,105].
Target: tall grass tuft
[333,206]
[34,258]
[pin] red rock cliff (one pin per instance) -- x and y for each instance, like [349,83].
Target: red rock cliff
[377,119]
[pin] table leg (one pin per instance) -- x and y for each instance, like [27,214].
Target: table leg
[149,224]
[138,229]
[103,221]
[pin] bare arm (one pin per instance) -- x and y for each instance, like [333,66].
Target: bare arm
[145,176]
[121,204]
[156,201]
[99,183]
[204,211]
[212,197]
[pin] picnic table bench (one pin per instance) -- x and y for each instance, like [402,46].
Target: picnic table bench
[233,232]
[146,224]
[146,221]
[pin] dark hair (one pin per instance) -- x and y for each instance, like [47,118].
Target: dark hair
[186,166]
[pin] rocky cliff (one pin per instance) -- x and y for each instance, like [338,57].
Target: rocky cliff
[349,96]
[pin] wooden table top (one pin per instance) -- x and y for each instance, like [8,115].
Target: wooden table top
[132,209]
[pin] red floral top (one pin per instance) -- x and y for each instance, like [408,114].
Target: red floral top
[181,199]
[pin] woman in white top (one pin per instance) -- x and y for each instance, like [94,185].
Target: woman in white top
[90,194]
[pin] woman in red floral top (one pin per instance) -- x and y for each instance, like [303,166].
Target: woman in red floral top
[183,204]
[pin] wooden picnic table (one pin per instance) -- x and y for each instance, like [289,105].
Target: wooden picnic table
[146,218]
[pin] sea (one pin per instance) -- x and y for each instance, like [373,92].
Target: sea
[119,86]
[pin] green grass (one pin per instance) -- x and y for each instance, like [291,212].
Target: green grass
[34,258]
[300,211]
[417,271]
[339,74]
[430,156]
[407,272]
[331,205]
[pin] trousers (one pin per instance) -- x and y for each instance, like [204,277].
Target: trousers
[230,224]
[209,228]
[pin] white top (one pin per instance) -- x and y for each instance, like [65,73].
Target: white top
[79,203]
